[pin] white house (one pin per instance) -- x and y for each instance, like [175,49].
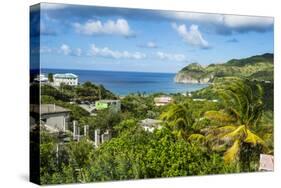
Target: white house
[67,79]
[41,78]
[54,118]
[150,124]
[163,100]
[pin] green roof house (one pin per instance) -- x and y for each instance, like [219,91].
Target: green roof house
[112,104]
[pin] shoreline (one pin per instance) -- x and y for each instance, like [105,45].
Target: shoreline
[132,82]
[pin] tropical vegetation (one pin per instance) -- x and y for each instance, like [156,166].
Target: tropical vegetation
[224,132]
[259,67]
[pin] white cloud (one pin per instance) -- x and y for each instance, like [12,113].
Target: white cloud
[107,52]
[170,57]
[65,49]
[91,27]
[240,22]
[151,44]
[191,36]
[198,17]
[227,23]
[52,6]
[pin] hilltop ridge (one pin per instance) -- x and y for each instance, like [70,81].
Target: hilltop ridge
[258,67]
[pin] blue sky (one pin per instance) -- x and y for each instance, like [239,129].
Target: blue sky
[100,38]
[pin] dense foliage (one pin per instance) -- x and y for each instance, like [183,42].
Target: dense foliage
[85,92]
[223,133]
[133,154]
[140,106]
[258,67]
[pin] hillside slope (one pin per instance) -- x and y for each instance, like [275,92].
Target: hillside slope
[259,67]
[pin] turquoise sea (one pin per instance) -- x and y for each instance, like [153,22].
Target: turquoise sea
[123,83]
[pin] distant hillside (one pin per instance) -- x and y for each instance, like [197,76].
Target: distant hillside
[259,67]
[251,60]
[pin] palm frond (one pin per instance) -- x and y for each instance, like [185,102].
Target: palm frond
[232,153]
[218,116]
[197,138]
[242,98]
[227,128]
[254,139]
[179,117]
[239,133]
[218,147]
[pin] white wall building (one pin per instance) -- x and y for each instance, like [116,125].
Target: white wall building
[266,162]
[54,118]
[101,137]
[163,100]
[41,78]
[150,124]
[67,79]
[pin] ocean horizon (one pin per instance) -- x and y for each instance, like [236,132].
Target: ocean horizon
[123,83]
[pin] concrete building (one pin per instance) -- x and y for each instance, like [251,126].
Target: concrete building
[91,108]
[41,78]
[150,124]
[77,136]
[266,162]
[100,138]
[200,100]
[163,100]
[104,104]
[67,79]
[54,118]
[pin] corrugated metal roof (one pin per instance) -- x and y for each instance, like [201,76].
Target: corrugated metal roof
[66,75]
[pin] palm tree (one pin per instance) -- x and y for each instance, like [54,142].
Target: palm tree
[242,99]
[179,117]
[243,104]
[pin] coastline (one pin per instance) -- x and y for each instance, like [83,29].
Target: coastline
[124,83]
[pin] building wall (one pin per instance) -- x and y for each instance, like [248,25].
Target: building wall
[67,81]
[115,105]
[101,105]
[57,121]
